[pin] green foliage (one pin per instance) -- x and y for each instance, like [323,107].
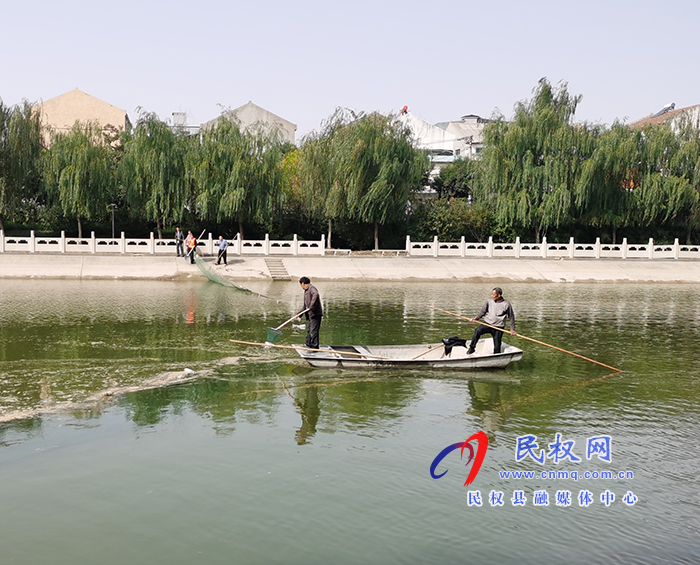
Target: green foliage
[238,175]
[457,179]
[153,170]
[530,165]
[21,149]
[538,173]
[362,168]
[80,173]
[451,218]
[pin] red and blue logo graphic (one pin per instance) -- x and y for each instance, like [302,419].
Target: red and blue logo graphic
[482,442]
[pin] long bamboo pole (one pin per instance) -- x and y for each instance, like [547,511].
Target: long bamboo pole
[528,338]
[366,356]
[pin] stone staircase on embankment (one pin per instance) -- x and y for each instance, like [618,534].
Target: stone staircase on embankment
[277,270]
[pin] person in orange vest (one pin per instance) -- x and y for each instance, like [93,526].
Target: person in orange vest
[191,242]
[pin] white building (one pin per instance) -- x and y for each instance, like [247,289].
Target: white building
[446,142]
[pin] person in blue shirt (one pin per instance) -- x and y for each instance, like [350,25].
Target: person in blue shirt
[223,245]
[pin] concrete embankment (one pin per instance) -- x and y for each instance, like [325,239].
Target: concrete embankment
[353,268]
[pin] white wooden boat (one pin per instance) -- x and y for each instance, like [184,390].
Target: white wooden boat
[430,355]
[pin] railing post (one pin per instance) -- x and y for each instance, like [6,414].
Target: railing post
[408,246]
[543,247]
[489,248]
[597,248]
[266,245]
[572,246]
[152,244]
[624,248]
[462,247]
[32,242]
[295,245]
[517,247]
[323,244]
[211,244]
[122,244]
[436,245]
[2,241]
[651,248]
[676,249]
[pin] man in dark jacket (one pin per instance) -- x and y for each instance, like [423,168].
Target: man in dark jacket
[312,302]
[179,242]
[494,311]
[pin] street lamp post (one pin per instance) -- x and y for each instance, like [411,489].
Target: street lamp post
[113,206]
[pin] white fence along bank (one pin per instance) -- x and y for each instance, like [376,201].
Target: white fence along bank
[152,246]
[546,250]
[295,247]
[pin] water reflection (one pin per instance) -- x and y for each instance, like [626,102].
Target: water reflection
[72,340]
[307,402]
[99,419]
[486,405]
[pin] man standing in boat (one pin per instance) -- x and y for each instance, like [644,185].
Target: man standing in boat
[312,303]
[494,312]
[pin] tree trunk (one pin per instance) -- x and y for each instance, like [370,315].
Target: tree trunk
[240,230]
[2,226]
[687,239]
[330,233]
[376,236]
[80,229]
[537,235]
[158,228]
[614,234]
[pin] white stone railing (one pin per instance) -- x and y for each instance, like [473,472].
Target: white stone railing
[296,247]
[153,246]
[545,250]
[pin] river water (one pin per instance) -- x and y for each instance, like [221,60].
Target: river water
[113,452]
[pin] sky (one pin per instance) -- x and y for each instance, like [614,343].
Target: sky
[301,60]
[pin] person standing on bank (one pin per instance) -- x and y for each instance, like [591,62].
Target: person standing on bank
[312,302]
[494,312]
[223,244]
[179,242]
[191,246]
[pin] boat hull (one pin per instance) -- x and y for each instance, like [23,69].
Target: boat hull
[421,356]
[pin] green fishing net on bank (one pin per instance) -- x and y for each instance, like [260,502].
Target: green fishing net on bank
[217,277]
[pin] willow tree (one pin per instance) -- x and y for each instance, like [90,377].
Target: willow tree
[686,162]
[605,187]
[80,173]
[667,176]
[21,148]
[153,171]
[365,168]
[238,175]
[320,196]
[531,164]
[377,168]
